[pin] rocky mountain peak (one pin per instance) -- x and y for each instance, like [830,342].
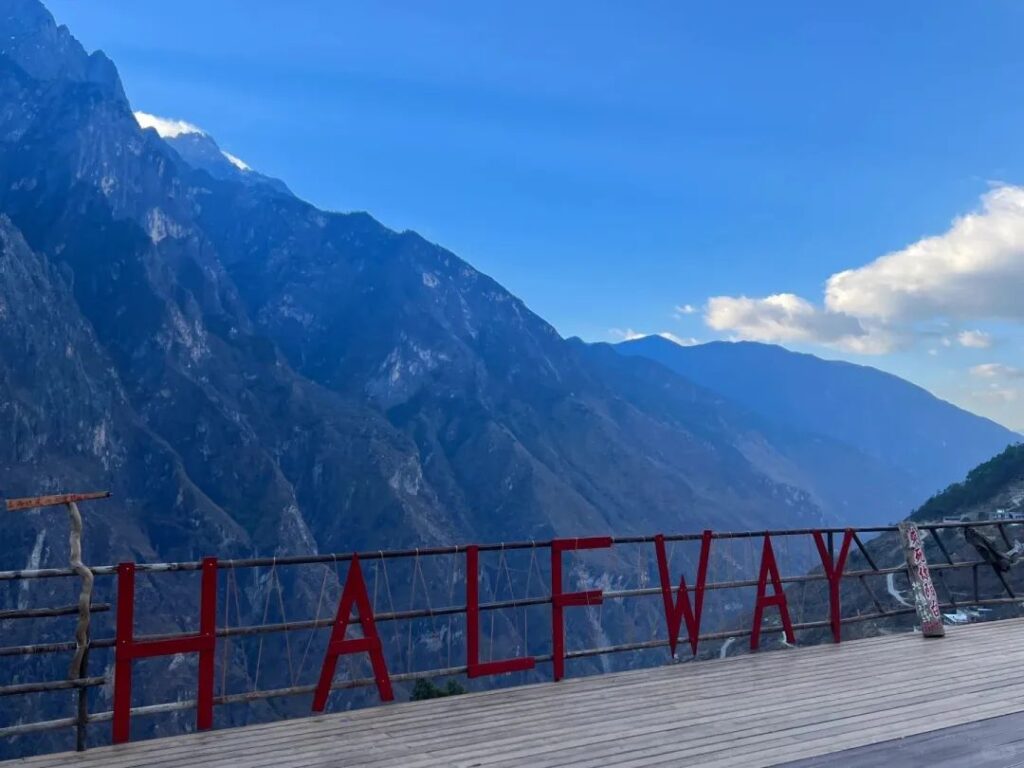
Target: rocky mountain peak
[201,151]
[33,40]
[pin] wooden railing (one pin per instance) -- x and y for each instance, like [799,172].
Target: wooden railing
[745,585]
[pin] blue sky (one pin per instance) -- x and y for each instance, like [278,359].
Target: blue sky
[609,162]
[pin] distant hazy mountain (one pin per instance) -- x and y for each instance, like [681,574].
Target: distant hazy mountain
[874,413]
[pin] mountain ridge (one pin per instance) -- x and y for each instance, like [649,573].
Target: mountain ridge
[875,412]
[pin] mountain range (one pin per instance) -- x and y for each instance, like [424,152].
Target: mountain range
[251,374]
[907,444]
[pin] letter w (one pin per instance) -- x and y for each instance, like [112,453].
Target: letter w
[679,610]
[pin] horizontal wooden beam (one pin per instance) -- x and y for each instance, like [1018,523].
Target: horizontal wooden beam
[43,613]
[32,502]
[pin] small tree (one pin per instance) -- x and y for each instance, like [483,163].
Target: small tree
[426,689]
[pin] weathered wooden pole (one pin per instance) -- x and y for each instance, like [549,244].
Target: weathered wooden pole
[78,669]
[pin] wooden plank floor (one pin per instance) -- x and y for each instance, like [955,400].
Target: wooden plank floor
[994,743]
[757,710]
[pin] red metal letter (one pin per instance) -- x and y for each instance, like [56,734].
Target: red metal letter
[676,612]
[127,649]
[560,600]
[778,599]
[473,665]
[353,594]
[834,572]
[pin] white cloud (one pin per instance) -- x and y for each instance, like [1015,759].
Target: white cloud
[973,270]
[974,339]
[166,127]
[997,371]
[685,309]
[786,317]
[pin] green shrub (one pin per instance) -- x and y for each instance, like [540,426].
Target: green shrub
[425,689]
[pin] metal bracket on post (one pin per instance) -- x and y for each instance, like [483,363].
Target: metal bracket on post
[925,600]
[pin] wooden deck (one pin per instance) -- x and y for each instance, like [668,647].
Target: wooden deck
[994,743]
[759,710]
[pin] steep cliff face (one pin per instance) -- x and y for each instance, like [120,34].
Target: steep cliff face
[323,380]
[106,202]
[67,419]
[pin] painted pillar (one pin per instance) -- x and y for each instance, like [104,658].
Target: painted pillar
[925,599]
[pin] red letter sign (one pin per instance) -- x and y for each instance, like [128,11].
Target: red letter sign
[778,599]
[676,612]
[127,648]
[473,665]
[834,572]
[353,594]
[560,600]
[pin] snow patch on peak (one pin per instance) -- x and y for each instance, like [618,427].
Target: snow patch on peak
[167,128]
[237,162]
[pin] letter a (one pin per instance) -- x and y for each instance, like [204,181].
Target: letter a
[353,594]
[778,599]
